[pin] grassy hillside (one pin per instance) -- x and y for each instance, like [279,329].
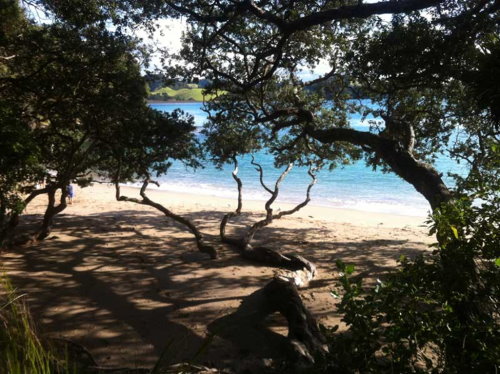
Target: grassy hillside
[182,94]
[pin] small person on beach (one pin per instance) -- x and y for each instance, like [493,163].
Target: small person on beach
[71,192]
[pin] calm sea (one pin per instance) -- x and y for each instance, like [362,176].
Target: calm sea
[354,186]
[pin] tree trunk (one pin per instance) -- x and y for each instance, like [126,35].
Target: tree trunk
[12,220]
[421,175]
[246,327]
[303,330]
[51,211]
[299,270]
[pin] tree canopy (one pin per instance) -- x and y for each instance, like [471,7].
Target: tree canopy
[74,99]
[423,73]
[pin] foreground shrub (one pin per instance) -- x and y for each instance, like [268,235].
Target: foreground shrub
[435,314]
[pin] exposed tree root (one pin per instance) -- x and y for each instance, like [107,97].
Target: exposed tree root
[246,326]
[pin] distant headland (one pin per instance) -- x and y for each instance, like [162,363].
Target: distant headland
[161,90]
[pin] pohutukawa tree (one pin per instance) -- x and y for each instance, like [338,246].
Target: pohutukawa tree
[429,74]
[68,96]
[423,75]
[227,138]
[68,87]
[418,66]
[413,69]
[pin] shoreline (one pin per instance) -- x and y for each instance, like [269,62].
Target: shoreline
[311,212]
[121,279]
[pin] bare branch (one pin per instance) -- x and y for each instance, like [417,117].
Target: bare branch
[312,174]
[424,177]
[261,175]
[323,78]
[278,183]
[357,11]
[269,210]
[240,185]
[34,194]
[202,247]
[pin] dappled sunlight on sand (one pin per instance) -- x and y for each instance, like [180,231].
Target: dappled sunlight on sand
[127,283]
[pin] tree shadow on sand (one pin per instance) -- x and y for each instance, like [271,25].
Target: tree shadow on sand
[129,283]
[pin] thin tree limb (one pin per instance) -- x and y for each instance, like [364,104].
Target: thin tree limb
[237,212]
[258,167]
[269,210]
[202,247]
[306,200]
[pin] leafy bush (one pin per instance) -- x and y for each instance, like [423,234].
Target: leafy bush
[437,314]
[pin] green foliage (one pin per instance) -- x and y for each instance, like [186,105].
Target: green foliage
[435,74]
[146,145]
[72,102]
[21,350]
[434,314]
[63,88]
[437,313]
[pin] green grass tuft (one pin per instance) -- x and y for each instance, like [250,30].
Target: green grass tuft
[21,350]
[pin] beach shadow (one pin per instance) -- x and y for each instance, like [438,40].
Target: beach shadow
[248,328]
[128,284]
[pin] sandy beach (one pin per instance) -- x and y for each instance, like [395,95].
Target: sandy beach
[128,284]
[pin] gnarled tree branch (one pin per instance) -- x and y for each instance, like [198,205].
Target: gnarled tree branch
[269,210]
[421,175]
[258,167]
[202,246]
[52,210]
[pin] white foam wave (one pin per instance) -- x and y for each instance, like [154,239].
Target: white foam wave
[390,206]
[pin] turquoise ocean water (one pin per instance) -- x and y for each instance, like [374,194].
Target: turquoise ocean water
[355,186]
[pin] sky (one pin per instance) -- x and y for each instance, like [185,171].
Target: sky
[168,36]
